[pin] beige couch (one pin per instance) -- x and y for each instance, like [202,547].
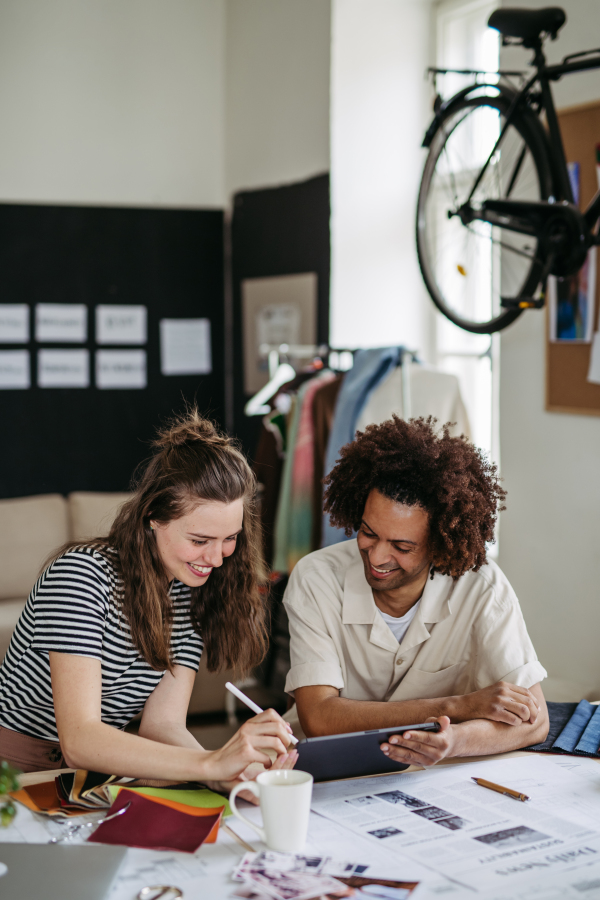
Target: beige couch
[31,528]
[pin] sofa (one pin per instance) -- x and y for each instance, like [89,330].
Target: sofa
[31,528]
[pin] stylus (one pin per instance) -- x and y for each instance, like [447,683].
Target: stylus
[253,706]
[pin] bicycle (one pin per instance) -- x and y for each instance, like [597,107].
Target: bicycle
[496,214]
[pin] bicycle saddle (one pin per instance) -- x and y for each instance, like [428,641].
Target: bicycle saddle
[528,24]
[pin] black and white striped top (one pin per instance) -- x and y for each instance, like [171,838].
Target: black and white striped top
[72,609]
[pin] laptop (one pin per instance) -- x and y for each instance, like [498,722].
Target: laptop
[57,872]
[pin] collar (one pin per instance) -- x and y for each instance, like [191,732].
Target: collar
[359,607]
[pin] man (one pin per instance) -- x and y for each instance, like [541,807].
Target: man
[409,621]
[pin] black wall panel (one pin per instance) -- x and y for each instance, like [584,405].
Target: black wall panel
[277,231]
[171,261]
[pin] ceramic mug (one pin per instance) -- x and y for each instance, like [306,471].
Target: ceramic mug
[284,796]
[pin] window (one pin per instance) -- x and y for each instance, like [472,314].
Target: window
[464,41]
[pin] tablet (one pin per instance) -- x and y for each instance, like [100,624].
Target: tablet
[351,755]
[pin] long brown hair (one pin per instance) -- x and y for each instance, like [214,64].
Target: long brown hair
[193,463]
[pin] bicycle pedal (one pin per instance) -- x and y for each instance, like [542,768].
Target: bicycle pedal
[522,302]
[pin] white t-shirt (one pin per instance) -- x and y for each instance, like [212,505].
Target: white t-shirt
[399,626]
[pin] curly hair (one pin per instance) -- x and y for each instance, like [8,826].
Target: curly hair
[411,463]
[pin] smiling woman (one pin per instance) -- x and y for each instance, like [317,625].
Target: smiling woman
[117,625]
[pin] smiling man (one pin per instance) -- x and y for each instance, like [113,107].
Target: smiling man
[410,621]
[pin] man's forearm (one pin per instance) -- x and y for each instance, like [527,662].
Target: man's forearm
[337,715]
[481,737]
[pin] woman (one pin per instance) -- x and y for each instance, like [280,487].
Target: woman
[117,625]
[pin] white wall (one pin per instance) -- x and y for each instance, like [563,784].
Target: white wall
[550,534]
[380,106]
[112,101]
[277,60]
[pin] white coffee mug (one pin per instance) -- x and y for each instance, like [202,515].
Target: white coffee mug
[284,796]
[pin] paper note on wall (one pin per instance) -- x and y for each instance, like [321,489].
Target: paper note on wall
[63,368]
[121,369]
[14,323]
[15,371]
[185,347]
[61,322]
[121,324]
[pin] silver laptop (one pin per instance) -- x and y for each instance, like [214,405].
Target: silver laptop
[58,872]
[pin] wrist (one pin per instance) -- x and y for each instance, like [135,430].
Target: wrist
[207,764]
[451,707]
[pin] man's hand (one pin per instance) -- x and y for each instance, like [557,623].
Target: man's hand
[422,748]
[500,702]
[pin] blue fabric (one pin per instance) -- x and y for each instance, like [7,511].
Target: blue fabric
[370,368]
[590,739]
[576,726]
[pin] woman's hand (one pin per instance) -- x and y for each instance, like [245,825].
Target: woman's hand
[286,761]
[266,731]
[422,748]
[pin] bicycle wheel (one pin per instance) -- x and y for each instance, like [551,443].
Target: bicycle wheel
[468,268]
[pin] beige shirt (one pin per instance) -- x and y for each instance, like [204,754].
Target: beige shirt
[465,635]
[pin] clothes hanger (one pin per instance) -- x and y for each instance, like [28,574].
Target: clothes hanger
[257,405]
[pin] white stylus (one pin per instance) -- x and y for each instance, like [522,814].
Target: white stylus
[251,704]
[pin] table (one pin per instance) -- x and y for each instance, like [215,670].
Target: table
[207,874]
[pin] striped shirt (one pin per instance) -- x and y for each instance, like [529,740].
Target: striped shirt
[72,609]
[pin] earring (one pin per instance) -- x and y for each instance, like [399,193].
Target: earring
[151,527]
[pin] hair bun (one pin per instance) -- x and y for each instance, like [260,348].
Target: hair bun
[185,428]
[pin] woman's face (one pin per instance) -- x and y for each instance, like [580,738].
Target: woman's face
[192,546]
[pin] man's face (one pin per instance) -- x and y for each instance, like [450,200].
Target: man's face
[393,540]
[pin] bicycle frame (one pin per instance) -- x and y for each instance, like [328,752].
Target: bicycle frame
[545,74]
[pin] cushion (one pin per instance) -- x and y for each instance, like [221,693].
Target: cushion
[30,529]
[92,514]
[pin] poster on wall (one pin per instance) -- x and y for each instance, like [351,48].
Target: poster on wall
[121,324]
[15,370]
[571,300]
[121,369]
[14,323]
[278,310]
[63,368]
[64,323]
[185,347]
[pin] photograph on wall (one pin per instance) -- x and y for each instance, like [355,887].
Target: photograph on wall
[277,310]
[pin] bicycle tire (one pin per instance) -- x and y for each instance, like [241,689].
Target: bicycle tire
[502,254]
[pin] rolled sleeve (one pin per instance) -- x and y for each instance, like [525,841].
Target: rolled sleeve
[313,652]
[504,649]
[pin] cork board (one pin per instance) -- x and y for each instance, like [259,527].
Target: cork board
[567,387]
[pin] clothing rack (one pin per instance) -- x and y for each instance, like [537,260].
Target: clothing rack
[337,358]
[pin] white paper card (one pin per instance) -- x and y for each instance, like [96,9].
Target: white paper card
[594,370]
[63,322]
[14,323]
[15,372]
[185,347]
[124,369]
[121,324]
[64,368]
